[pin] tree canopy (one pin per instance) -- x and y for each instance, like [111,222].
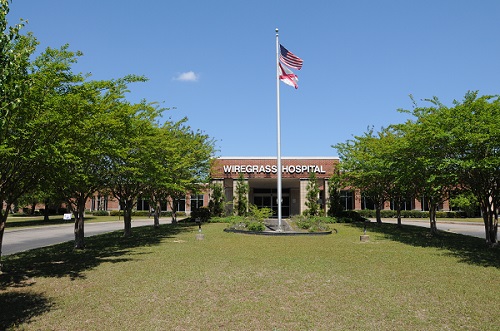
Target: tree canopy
[70,137]
[440,151]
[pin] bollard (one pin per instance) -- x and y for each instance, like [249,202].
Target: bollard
[199,235]
[364,237]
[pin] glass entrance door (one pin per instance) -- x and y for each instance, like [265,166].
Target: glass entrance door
[268,198]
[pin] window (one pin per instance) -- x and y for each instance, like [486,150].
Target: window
[143,204]
[407,204]
[196,201]
[99,202]
[180,204]
[347,199]
[424,204]
[367,203]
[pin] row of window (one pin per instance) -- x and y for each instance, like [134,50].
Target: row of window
[347,200]
[196,202]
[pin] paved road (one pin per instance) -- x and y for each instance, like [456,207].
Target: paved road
[19,240]
[466,228]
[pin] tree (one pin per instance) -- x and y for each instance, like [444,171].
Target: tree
[180,163]
[241,196]
[166,155]
[365,167]
[335,185]
[31,121]
[427,151]
[217,200]
[312,196]
[131,159]
[15,51]
[397,179]
[466,201]
[471,127]
[88,141]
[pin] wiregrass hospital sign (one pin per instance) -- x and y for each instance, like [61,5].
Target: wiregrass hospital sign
[292,169]
[261,173]
[266,167]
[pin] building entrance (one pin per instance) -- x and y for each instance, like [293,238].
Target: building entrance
[267,198]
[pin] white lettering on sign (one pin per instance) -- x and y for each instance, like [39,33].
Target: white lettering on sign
[267,169]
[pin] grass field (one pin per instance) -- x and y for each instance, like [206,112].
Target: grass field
[165,279]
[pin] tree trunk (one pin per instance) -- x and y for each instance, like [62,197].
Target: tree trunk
[378,213]
[79,213]
[432,218]
[490,218]
[494,232]
[156,214]
[174,211]
[127,221]
[398,214]
[4,213]
[46,212]
[79,230]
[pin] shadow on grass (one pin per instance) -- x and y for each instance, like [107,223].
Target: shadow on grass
[467,249]
[18,308]
[18,305]
[63,260]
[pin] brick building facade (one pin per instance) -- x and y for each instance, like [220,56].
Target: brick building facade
[260,173]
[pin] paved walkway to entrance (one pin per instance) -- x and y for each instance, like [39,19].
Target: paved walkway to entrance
[272,225]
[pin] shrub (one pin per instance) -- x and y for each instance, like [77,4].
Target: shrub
[260,214]
[134,213]
[202,213]
[237,222]
[115,213]
[387,213]
[219,220]
[367,213]
[343,220]
[100,213]
[354,216]
[257,226]
[216,205]
[313,224]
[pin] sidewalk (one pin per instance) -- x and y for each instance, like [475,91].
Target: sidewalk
[475,229]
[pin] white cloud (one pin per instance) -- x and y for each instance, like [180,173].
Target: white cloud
[189,76]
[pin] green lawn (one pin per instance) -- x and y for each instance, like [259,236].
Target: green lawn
[402,279]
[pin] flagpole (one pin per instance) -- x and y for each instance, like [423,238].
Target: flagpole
[278,120]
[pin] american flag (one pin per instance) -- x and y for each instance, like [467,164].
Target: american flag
[290,59]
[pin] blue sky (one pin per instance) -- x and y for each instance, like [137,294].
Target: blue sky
[214,61]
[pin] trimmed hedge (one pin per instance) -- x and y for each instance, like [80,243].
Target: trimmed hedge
[369,213]
[99,213]
[146,213]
